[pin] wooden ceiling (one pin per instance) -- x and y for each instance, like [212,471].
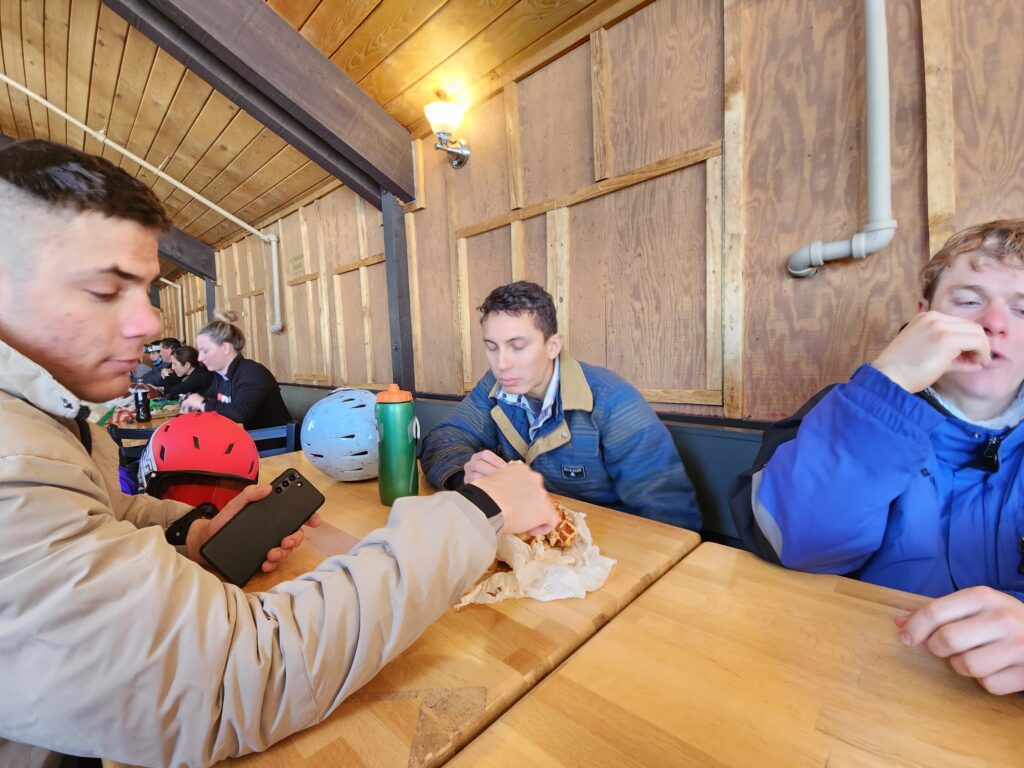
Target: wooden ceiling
[85,59]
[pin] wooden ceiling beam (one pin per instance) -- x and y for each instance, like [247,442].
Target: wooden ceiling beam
[255,58]
[188,253]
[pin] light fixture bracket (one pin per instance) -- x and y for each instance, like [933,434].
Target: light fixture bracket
[458,151]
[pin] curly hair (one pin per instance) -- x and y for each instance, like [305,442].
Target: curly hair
[519,298]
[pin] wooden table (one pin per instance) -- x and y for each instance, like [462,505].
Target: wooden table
[129,441]
[471,665]
[730,661]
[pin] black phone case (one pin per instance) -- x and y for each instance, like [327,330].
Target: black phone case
[239,548]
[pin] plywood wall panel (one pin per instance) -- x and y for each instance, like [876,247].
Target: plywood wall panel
[438,353]
[482,191]
[666,81]
[337,213]
[374,230]
[555,128]
[489,265]
[294,259]
[535,250]
[258,346]
[377,278]
[349,296]
[336,227]
[593,243]
[257,265]
[279,353]
[804,155]
[988,79]
[656,312]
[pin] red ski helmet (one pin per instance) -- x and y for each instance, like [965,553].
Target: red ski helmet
[198,458]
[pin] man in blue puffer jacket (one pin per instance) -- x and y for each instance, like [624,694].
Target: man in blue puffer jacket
[909,475]
[589,433]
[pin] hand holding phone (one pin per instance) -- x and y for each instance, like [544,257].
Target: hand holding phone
[238,549]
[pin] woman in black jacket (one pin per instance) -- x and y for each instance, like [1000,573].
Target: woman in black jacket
[192,375]
[242,389]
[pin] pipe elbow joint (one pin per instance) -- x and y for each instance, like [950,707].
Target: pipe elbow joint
[872,239]
[805,262]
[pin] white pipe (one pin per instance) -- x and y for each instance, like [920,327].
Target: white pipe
[181,304]
[276,326]
[881,227]
[275,281]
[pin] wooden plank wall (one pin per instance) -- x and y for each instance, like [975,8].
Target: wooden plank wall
[586,179]
[655,174]
[194,296]
[334,294]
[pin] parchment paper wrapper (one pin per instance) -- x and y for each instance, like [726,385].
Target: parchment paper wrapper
[544,573]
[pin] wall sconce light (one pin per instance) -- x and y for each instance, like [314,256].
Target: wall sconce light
[444,119]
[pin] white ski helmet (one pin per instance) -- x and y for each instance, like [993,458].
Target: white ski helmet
[339,434]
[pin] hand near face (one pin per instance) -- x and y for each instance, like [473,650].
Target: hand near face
[979,630]
[932,345]
[165,372]
[202,530]
[524,502]
[194,403]
[482,464]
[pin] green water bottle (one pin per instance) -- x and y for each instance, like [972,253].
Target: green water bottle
[398,434]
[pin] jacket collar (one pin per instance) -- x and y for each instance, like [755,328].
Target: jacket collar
[233,367]
[962,443]
[26,380]
[574,391]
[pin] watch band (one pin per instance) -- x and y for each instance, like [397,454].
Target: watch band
[483,501]
[178,531]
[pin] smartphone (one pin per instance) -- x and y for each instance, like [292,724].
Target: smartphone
[238,549]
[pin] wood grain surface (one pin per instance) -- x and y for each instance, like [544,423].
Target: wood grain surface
[988,75]
[489,265]
[665,70]
[805,180]
[472,664]
[730,661]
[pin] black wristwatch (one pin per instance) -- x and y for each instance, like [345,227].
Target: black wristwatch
[483,501]
[178,532]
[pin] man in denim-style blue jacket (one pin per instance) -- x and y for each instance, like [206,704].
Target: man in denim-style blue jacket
[586,430]
[909,475]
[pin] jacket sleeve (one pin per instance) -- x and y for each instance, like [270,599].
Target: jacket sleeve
[152,377]
[468,430]
[248,392]
[818,496]
[194,382]
[115,645]
[643,462]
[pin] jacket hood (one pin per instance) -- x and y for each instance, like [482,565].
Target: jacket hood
[26,380]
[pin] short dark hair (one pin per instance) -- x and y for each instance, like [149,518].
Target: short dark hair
[170,343]
[65,177]
[186,355]
[522,297]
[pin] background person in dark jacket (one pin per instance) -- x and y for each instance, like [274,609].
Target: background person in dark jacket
[192,375]
[167,375]
[152,375]
[243,390]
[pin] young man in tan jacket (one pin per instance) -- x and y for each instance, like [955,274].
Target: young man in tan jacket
[113,642]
